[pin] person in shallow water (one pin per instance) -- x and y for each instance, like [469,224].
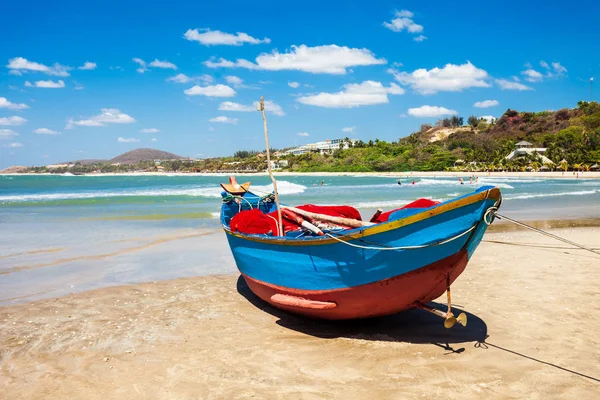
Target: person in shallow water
[461,180]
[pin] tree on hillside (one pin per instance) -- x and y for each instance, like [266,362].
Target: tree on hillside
[473,121]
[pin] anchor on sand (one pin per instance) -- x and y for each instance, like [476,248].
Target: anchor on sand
[450,319]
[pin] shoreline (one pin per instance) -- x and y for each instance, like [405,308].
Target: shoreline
[416,174]
[210,337]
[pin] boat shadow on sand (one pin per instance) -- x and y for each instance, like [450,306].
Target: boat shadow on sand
[413,326]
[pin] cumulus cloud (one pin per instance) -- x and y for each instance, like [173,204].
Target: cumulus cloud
[213,38]
[270,107]
[4,103]
[163,64]
[211,91]
[46,131]
[486,103]
[531,75]
[106,116]
[149,130]
[353,95]
[87,66]
[12,121]
[46,84]
[294,85]
[224,120]
[143,66]
[488,118]
[7,133]
[127,140]
[505,84]
[430,111]
[420,38]
[18,65]
[553,70]
[329,59]
[349,129]
[13,145]
[403,21]
[450,78]
[182,78]
[303,134]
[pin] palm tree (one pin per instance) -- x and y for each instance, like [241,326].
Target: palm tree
[577,166]
[564,165]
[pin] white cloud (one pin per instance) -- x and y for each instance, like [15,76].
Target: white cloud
[450,78]
[163,64]
[78,86]
[505,84]
[233,80]
[13,145]
[18,65]
[559,69]
[4,103]
[182,78]
[211,91]
[12,121]
[329,59]
[488,118]
[46,84]
[213,38]
[154,139]
[531,75]
[486,103]
[420,38]
[349,129]
[143,66]
[270,107]
[303,134]
[127,140]
[224,120]
[294,85]
[46,131]
[107,116]
[149,130]
[430,111]
[403,21]
[353,95]
[87,66]
[544,64]
[7,133]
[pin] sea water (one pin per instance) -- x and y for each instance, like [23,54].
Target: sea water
[71,233]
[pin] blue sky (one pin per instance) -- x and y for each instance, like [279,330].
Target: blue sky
[361,69]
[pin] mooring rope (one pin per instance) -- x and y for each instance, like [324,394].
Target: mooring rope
[494,211]
[403,247]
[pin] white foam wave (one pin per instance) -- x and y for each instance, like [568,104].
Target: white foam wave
[284,187]
[532,196]
[446,182]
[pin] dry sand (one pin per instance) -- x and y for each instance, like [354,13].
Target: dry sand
[533,332]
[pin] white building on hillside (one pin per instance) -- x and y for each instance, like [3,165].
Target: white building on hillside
[324,147]
[522,148]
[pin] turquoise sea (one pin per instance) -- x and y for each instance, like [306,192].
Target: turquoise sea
[70,233]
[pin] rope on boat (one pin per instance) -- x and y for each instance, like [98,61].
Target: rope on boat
[403,247]
[494,212]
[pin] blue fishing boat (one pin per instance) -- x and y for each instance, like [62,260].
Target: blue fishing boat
[370,269]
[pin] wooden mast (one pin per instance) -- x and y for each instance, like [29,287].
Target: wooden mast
[262,108]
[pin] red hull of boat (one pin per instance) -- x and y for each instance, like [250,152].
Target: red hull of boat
[385,297]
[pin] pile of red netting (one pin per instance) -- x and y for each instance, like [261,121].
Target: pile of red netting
[256,222]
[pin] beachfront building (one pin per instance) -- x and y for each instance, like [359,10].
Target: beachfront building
[324,147]
[524,148]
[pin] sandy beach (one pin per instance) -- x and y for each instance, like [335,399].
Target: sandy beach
[532,303]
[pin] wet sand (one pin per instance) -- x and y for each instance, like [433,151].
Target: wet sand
[533,332]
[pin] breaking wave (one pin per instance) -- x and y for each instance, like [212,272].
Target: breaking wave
[532,196]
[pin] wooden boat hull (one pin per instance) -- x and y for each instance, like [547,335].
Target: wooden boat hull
[323,278]
[385,297]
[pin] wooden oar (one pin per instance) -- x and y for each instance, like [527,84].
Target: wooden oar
[354,223]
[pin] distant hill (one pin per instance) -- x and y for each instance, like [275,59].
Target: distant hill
[17,169]
[137,155]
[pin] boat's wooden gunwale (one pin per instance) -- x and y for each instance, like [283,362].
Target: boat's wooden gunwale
[360,233]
